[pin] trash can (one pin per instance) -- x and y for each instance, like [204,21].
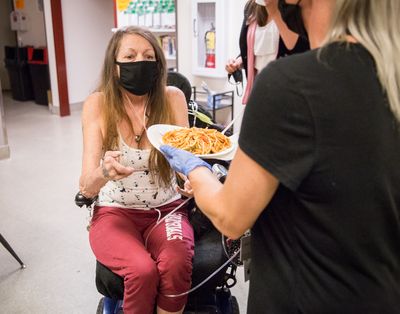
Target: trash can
[16,62]
[39,70]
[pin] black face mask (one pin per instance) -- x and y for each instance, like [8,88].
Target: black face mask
[138,77]
[291,15]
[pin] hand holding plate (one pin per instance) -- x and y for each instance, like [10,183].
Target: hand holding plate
[181,160]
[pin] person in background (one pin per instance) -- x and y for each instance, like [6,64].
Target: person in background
[136,188]
[264,37]
[316,173]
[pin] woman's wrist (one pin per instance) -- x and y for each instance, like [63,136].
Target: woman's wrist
[94,183]
[199,172]
[239,62]
[101,177]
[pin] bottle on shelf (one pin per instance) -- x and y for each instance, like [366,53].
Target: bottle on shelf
[156,15]
[164,15]
[133,17]
[148,17]
[170,16]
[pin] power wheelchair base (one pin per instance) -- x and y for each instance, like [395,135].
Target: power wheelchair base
[222,302]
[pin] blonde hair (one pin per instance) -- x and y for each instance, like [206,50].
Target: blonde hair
[375,24]
[113,109]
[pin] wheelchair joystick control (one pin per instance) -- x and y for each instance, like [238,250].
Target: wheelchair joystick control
[81,200]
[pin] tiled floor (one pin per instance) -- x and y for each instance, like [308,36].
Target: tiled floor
[40,220]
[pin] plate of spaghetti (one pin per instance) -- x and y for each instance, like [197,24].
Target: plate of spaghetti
[205,143]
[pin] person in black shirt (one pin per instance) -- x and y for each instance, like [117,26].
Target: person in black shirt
[316,174]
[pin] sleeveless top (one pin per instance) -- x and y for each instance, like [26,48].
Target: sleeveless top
[139,190]
[266,45]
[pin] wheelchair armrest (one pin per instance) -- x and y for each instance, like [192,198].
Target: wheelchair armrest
[81,200]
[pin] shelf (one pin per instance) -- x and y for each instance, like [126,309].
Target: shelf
[220,101]
[204,105]
[158,16]
[163,30]
[158,31]
[209,72]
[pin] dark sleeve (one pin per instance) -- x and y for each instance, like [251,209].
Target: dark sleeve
[277,129]
[243,42]
[301,45]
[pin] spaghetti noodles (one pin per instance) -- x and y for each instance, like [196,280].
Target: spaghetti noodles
[197,141]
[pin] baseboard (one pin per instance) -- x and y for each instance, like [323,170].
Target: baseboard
[55,110]
[4,152]
[73,107]
[76,106]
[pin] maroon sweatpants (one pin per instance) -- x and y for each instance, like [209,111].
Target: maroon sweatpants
[117,237]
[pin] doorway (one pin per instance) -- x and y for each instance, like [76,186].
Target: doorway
[39,19]
[7,38]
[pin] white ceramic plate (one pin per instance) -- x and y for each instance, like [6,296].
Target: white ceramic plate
[156,132]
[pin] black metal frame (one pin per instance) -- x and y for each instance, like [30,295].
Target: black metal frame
[228,95]
[10,249]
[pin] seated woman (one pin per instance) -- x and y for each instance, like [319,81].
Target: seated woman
[134,183]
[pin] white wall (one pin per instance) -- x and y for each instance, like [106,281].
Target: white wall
[35,34]
[234,18]
[87,30]
[52,57]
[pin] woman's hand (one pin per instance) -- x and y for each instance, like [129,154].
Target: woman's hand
[111,167]
[187,187]
[181,160]
[233,64]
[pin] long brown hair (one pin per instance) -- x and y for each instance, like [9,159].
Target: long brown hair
[256,12]
[113,109]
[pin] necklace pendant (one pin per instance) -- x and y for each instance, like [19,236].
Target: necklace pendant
[137,138]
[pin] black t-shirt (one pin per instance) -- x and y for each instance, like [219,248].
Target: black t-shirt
[329,241]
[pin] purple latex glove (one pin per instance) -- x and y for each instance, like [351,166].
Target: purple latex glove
[181,160]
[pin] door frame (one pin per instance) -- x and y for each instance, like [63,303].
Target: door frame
[59,47]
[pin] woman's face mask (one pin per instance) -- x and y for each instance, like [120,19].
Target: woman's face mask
[291,15]
[138,77]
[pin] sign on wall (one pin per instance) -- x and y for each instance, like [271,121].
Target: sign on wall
[20,4]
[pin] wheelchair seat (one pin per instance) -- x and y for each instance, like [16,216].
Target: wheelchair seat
[208,257]
[108,283]
[209,254]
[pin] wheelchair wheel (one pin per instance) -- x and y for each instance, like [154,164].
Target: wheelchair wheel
[108,310]
[226,302]
[234,305]
[100,306]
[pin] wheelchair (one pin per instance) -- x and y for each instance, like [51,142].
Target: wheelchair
[213,255]
[212,297]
